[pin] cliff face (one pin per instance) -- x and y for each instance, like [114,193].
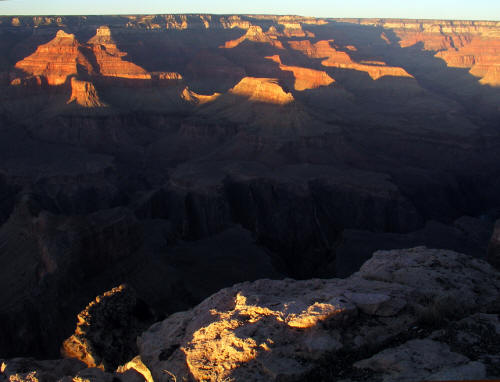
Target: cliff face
[84,94]
[56,60]
[255,34]
[340,59]
[110,59]
[64,56]
[461,44]
[305,78]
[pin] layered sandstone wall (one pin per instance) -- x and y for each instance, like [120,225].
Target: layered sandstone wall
[461,44]
[56,60]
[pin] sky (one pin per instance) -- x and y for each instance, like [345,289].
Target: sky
[427,9]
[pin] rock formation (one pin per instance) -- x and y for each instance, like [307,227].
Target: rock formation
[198,99]
[110,59]
[339,59]
[64,56]
[168,76]
[270,330]
[107,329]
[265,90]
[56,60]
[480,55]
[84,94]
[408,314]
[461,44]
[305,78]
[292,29]
[255,34]
[64,370]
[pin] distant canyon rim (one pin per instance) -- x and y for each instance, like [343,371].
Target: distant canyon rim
[181,154]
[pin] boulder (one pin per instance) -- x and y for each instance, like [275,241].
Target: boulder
[107,329]
[271,330]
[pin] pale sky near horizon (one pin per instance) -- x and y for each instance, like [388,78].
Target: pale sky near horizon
[427,9]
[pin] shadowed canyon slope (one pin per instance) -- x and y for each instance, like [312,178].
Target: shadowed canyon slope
[198,151]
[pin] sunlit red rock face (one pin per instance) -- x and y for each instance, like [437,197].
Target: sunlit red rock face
[110,59]
[84,94]
[461,44]
[64,56]
[305,78]
[198,99]
[255,34]
[339,59]
[56,60]
[481,56]
[265,90]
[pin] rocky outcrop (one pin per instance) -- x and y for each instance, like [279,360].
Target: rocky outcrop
[166,76]
[197,99]
[292,29]
[64,56]
[305,78]
[84,94]
[31,370]
[255,34]
[340,59]
[107,329]
[266,90]
[406,315]
[66,370]
[56,60]
[274,330]
[57,253]
[110,60]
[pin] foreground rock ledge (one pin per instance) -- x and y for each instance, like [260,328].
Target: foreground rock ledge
[407,315]
[296,330]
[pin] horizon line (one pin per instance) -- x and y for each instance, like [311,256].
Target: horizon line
[245,14]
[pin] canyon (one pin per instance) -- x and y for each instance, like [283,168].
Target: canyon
[183,154]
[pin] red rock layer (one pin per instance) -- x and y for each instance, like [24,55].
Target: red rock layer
[461,44]
[110,59]
[64,56]
[56,60]
[84,94]
[305,78]
[292,29]
[265,90]
[255,34]
[169,76]
[339,59]
[197,99]
[481,56]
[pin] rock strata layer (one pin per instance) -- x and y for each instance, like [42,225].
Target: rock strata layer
[56,60]
[84,94]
